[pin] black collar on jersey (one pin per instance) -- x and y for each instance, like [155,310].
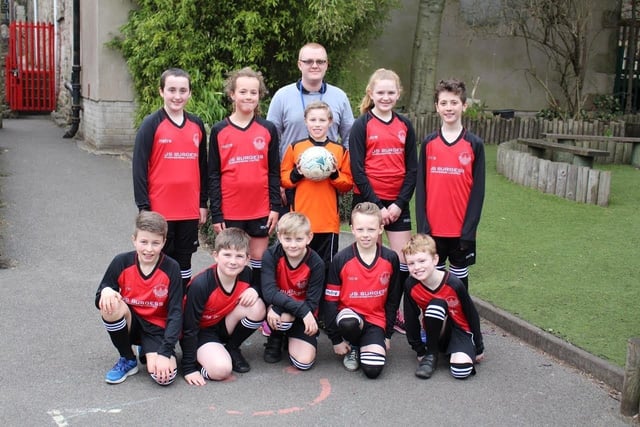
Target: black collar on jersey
[319,143]
[302,89]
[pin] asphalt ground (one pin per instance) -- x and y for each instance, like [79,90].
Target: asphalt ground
[66,212]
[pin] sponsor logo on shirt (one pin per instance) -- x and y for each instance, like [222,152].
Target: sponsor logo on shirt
[164,141]
[246,159]
[332,292]
[387,151]
[368,294]
[446,170]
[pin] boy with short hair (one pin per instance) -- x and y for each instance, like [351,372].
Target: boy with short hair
[450,185]
[292,284]
[140,300]
[450,318]
[363,294]
[222,309]
[318,200]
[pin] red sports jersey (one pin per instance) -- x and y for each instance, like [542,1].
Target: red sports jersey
[450,188]
[318,200]
[296,290]
[372,290]
[462,311]
[207,304]
[244,170]
[170,166]
[156,297]
[383,158]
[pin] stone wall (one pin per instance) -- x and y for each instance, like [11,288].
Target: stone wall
[108,125]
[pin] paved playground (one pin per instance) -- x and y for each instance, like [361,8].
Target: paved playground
[67,212]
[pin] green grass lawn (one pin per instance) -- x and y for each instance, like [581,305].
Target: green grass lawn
[571,269]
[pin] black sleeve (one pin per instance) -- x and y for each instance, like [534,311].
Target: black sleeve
[316,284]
[197,295]
[331,307]
[173,327]
[203,168]
[476,198]
[470,312]
[357,152]
[274,167]
[410,164]
[394,293]
[110,278]
[140,161]
[214,171]
[412,320]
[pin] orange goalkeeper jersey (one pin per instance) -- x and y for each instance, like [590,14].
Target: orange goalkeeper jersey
[318,200]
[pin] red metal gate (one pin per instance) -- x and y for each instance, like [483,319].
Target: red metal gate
[30,67]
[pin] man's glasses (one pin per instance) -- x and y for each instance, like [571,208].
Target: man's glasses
[310,62]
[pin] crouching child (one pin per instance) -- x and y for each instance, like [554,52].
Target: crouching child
[222,309]
[449,317]
[140,300]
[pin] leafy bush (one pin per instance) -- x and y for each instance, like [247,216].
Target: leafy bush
[211,38]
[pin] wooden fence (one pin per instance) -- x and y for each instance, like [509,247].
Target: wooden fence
[495,130]
[576,183]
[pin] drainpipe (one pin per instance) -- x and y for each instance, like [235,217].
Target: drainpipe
[75,86]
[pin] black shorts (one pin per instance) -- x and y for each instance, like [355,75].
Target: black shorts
[217,333]
[458,341]
[146,334]
[297,331]
[253,227]
[449,248]
[182,237]
[371,334]
[403,223]
[326,245]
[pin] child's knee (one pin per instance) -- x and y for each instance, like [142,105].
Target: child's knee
[462,371]
[303,363]
[372,363]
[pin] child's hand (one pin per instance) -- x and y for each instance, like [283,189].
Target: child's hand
[393,212]
[342,348]
[162,369]
[273,319]
[109,300]
[272,221]
[218,227]
[310,324]
[248,297]
[479,357]
[195,378]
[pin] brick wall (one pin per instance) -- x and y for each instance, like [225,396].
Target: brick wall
[107,126]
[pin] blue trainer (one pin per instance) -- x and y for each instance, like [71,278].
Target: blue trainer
[121,371]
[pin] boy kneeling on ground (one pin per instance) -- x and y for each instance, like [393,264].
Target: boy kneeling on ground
[222,309]
[449,317]
[140,300]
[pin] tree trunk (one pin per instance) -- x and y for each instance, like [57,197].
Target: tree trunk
[631,58]
[425,55]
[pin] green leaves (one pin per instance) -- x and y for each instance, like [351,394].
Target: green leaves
[211,38]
